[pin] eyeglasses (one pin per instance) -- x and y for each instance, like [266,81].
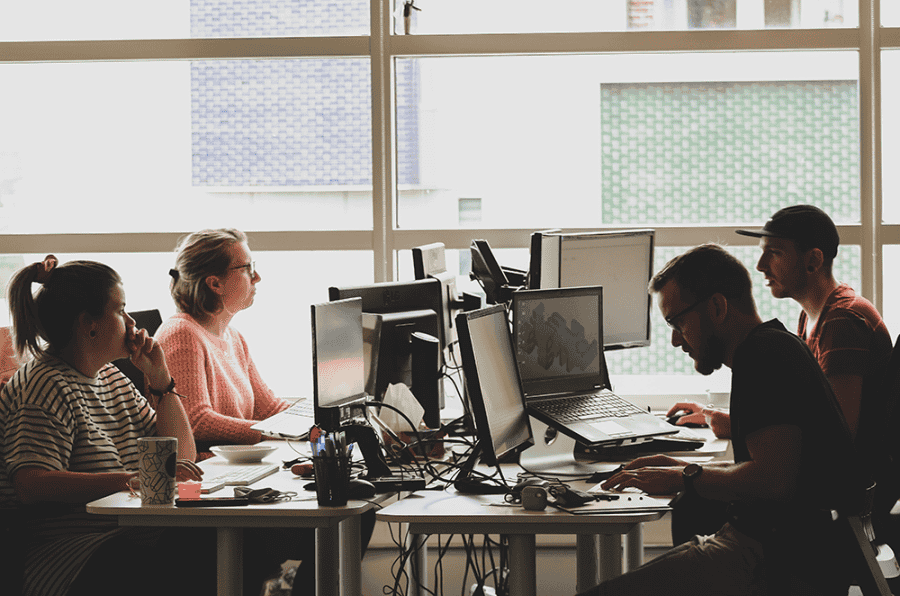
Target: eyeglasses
[670,321]
[250,267]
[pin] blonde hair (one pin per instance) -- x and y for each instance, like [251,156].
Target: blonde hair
[50,314]
[200,255]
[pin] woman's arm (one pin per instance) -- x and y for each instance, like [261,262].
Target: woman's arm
[171,418]
[171,421]
[39,485]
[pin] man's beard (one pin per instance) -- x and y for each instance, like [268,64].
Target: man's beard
[711,356]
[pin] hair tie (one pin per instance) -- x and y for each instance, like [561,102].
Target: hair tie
[174,274]
[44,268]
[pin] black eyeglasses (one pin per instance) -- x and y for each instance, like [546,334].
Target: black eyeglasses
[250,267]
[670,321]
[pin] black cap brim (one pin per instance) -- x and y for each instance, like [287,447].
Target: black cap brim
[756,233]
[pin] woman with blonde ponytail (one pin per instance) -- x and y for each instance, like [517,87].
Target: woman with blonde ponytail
[70,421]
[214,278]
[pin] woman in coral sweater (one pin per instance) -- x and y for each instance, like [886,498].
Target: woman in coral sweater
[215,278]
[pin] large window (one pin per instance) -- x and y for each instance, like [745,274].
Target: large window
[338,141]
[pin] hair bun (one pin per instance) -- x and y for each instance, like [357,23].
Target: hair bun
[45,268]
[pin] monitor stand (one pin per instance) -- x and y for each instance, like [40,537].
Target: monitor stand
[553,453]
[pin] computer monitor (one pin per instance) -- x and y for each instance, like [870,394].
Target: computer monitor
[338,363]
[407,311]
[497,282]
[621,262]
[534,263]
[429,261]
[494,393]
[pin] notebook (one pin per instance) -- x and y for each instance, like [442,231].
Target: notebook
[558,342]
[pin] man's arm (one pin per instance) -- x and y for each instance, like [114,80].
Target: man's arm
[848,391]
[771,474]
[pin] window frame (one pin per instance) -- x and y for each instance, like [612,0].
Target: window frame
[381,47]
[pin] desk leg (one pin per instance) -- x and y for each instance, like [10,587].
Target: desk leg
[586,561]
[523,582]
[328,550]
[351,561]
[418,562]
[230,561]
[634,548]
[610,556]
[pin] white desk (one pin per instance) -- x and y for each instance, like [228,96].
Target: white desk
[446,512]
[337,528]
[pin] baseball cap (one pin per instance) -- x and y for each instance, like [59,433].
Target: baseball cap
[805,224]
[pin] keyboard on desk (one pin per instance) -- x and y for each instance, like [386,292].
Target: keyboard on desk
[603,404]
[237,475]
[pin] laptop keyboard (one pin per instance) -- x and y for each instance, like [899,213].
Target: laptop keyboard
[603,404]
[302,407]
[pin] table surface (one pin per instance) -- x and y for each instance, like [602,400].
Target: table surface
[337,528]
[449,507]
[129,508]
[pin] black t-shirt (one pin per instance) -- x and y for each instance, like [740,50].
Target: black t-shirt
[776,381]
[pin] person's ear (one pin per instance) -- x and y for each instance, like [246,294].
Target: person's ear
[718,308]
[215,283]
[814,260]
[86,326]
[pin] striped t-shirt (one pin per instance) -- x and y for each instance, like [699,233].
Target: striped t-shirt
[54,417]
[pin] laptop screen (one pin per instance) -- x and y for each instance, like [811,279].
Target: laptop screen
[558,339]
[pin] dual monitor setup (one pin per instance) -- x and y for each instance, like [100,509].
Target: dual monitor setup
[368,337]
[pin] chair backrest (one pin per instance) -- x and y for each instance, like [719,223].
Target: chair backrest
[144,319]
[878,440]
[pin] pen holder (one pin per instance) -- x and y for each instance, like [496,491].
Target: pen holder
[332,474]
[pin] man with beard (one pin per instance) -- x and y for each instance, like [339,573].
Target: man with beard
[788,437]
[844,330]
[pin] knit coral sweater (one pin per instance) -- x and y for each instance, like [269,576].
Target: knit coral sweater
[223,392]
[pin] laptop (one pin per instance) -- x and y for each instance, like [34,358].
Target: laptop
[558,337]
[294,423]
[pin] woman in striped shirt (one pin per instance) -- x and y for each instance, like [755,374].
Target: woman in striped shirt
[69,424]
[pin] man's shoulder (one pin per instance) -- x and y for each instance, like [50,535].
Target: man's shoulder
[772,341]
[844,301]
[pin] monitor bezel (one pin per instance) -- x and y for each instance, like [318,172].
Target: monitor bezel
[474,394]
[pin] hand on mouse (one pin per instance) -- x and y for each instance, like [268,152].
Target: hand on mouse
[686,413]
[693,413]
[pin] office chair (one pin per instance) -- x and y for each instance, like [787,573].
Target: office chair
[876,562]
[879,442]
[144,319]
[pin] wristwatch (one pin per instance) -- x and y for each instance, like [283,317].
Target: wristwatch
[689,474]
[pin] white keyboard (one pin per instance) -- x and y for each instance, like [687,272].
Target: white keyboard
[238,475]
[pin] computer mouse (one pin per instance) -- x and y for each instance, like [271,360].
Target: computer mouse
[360,489]
[674,418]
[529,482]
